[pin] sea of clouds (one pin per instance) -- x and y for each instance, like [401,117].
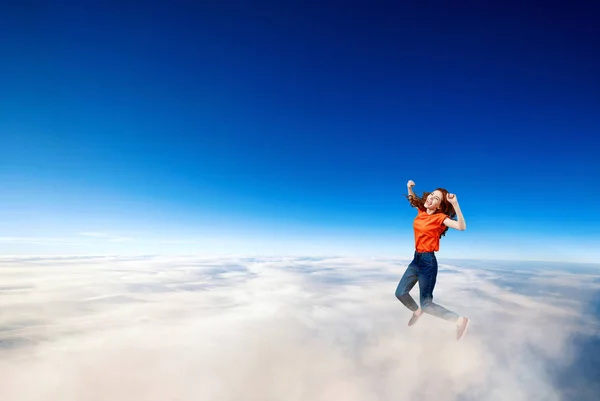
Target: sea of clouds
[289,329]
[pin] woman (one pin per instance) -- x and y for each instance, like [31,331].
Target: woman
[434,217]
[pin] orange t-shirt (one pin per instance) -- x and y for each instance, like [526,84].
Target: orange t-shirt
[428,228]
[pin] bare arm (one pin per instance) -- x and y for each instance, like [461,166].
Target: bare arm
[461,224]
[410,186]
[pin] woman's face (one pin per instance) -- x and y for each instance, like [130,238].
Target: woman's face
[434,200]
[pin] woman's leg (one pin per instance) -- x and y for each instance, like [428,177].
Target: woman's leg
[408,281]
[427,278]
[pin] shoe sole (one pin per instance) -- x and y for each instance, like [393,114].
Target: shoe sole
[465,330]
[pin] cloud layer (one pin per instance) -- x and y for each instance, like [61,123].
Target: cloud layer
[217,329]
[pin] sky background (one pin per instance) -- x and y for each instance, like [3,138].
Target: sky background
[267,128]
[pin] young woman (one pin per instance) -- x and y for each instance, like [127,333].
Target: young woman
[435,211]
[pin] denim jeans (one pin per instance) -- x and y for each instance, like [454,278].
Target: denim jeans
[423,269]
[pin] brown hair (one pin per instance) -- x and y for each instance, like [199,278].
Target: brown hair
[445,206]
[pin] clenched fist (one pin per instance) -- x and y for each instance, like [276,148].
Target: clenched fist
[452,199]
[410,184]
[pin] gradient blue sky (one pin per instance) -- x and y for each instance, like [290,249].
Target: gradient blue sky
[267,128]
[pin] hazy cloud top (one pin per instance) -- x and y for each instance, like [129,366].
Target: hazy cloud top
[189,328]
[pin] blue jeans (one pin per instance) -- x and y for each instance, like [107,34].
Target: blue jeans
[423,269]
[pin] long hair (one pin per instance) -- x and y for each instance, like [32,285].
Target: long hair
[445,206]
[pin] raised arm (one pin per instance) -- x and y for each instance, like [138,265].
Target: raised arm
[410,186]
[461,224]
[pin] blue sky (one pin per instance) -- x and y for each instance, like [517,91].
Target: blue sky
[293,129]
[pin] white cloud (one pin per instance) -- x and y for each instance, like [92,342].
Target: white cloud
[188,328]
[38,240]
[196,241]
[108,237]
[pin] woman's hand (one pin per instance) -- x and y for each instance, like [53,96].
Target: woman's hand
[452,199]
[410,184]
